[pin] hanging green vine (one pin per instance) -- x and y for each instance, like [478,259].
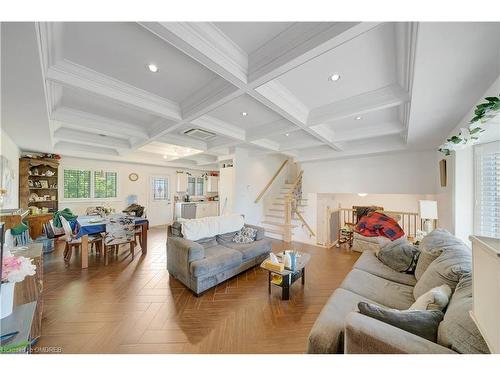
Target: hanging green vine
[470,135]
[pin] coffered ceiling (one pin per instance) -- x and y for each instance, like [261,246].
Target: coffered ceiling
[312,91]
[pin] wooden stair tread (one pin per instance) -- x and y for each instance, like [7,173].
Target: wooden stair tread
[275,231]
[269,222]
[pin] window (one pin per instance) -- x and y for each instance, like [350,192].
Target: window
[191,186]
[104,184]
[487,190]
[88,184]
[160,188]
[76,184]
[200,182]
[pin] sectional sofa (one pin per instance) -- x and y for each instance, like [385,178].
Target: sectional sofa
[444,259]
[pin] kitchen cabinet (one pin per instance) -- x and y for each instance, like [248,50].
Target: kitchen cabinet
[182,182]
[206,209]
[212,184]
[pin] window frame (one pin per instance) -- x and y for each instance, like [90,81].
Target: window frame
[92,185]
[478,149]
[151,192]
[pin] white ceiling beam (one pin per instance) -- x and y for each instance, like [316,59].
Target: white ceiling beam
[183,141]
[68,73]
[292,119]
[386,97]
[267,144]
[206,44]
[74,119]
[62,147]
[300,43]
[217,126]
[82,137]
[351,134]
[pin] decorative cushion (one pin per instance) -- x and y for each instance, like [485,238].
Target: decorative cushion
[245,235]
[432,246]
[435,299]
[447,268]
[400,255]
[423,323]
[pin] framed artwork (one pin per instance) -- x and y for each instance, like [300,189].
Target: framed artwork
[44,184]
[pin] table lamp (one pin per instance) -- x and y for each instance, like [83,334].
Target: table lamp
[428,213]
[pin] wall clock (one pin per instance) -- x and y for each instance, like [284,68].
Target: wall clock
[133,177]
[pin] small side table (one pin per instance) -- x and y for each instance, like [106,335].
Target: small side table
[19,321]
[288,276]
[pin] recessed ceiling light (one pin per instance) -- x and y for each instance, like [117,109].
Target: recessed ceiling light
[362,194]
[244,113]
[153,68]
[357,118]
[165,156]
[287,135]
[334,77]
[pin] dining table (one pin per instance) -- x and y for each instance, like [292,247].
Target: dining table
[94,224]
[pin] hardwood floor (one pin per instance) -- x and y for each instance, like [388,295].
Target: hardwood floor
[135,307]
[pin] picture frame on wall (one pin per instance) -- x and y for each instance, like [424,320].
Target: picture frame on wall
[442,173]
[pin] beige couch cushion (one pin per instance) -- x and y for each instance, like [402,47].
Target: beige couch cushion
[368,262]
[458,331]
[382,291]
[327,334]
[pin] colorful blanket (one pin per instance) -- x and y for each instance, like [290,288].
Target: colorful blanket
[377,224]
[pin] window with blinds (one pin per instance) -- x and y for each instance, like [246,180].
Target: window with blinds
[76,184]
[105,184]
[487,190]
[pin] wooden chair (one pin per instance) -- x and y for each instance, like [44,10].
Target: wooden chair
[120,229]
[73,242]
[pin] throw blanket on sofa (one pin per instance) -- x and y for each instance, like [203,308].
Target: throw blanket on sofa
[377,224]
[196,229]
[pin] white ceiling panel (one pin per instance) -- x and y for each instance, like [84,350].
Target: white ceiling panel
[249,36]
[105,107]
[122,50]
[365,63]
[257,113]
[366,120]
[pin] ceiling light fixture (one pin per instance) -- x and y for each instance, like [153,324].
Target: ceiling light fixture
[334,77]
[362,194]
[287,135]
[358,118]
[153,68]
[244,113]
[165,156]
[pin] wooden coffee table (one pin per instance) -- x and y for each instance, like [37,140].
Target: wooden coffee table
[289,276]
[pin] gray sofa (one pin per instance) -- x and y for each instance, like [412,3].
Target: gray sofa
[444,259]
[205,263]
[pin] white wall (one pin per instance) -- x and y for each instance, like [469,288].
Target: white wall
[10,151]
[459,195]
[252,173]
[141,187]
[397,173]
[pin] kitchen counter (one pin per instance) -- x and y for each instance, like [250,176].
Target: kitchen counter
[203,209]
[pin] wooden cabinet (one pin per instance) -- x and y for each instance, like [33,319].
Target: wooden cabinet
[35,223]
[207,209]
[31,288]
[182,182]
[212,184]
[38,183]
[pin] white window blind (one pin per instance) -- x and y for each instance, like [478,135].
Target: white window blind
[487,190]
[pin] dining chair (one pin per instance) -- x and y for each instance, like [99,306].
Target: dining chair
[120,229]
[73,242]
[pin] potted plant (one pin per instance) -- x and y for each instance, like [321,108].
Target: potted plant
[14,270]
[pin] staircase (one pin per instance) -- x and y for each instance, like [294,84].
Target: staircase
[283,212]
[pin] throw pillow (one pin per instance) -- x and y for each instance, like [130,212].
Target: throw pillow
[245,235]
[423,323]
[435,299]
[400,255]
[454,261]
[432,246]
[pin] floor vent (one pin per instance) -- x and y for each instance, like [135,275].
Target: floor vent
[199,134]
